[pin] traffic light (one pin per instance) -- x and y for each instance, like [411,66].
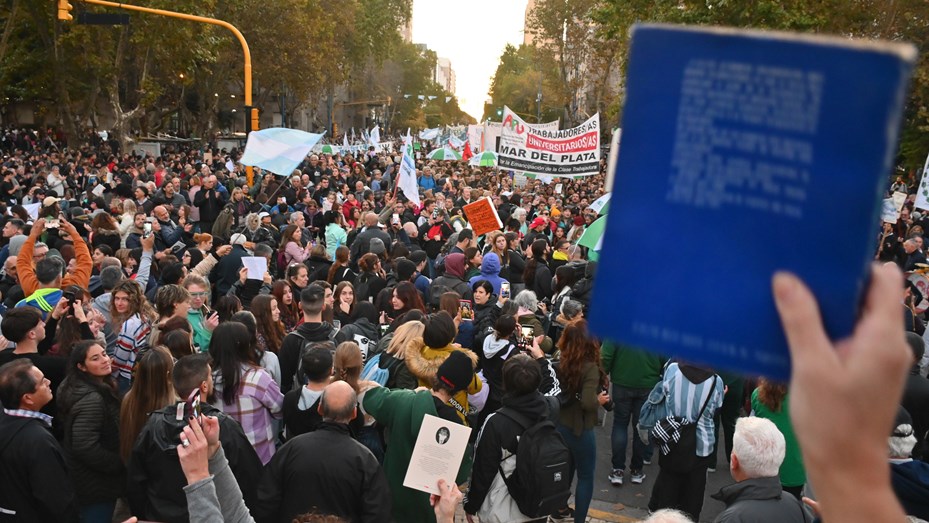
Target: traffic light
[64,10]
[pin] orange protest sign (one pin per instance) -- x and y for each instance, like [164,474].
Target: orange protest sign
[483,217]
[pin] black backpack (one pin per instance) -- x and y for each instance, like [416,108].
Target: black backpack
[299,379]
[541,482]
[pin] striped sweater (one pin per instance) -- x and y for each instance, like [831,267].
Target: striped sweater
[133,336]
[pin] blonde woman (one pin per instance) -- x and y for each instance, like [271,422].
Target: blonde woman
[392,358]
[126,209]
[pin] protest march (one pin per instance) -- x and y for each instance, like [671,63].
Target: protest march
[438,324]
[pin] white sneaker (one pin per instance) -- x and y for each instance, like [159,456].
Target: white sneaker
[616,477]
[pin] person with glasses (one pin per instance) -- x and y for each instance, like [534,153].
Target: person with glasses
[34,483]
[201,318]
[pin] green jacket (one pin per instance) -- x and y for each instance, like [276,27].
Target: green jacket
[201,335]
[402,411]
[792,472]
[629,367]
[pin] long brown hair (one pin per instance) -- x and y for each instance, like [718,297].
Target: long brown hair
[287,236]
[138,304]
[348,363]
[273,331]
[772,394]
[341,261]
[292,311]
[577,348]
[152,389]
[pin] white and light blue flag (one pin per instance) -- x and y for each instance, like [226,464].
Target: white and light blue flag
[278,150]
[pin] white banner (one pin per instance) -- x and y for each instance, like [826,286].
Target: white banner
[922,195]
[572,152]
[475,137]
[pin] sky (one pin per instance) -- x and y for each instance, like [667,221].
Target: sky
[472,35]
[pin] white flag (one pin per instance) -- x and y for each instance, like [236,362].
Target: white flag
[922,195]
[374,137]
[406,179]
[345,146]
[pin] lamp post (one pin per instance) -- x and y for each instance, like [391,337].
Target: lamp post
[251,119]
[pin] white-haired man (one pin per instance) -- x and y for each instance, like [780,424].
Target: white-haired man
[909,477]
[758,449]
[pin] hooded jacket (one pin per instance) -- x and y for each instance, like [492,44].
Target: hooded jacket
[91,442]
[453,279]
[290,348]
[365,334]
[759,500]
[490,271]
[155,478]
[34,478]
[401,412]
[499,433]
[424,363]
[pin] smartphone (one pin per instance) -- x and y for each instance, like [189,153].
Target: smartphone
[467,312]
[435,213]
[505,290]
[68,295]
[146,229]
[525,337]
[336,324]
[192,405]
[384,329]
[53,224]
[395,218]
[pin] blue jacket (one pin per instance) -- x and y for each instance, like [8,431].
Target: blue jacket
[427,182]
[490,271]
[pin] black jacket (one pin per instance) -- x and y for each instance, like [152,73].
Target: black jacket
[916,402]
[34,478]
[155,476]
[317,268]
[498,433]
[226,272]
[760,500]
[293,342]
[362,242]
[91,443]
[542,284]
[910,481]
[210,202]
[365,334]
[325,470]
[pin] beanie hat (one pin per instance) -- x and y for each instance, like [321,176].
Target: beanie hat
[16,244]
[376,246]
[405,269]
[439,330]
[456,372]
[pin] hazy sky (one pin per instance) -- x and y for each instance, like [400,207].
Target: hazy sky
[472,35]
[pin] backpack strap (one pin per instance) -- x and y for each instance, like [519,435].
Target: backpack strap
[707,400]
[518,417]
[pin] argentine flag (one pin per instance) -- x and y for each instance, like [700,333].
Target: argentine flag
[278,150]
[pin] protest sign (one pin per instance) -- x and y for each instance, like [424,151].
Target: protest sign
[483,217]
[437,454]
[570,152]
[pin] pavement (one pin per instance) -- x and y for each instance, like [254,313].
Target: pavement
[629,502]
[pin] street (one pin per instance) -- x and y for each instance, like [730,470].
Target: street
[630,502]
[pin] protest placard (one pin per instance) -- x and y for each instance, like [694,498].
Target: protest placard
[483,217]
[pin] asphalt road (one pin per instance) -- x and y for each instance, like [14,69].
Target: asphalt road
[630,502]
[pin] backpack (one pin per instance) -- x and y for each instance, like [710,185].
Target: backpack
[373,372]
[299,378]
[281,270]
[541,482]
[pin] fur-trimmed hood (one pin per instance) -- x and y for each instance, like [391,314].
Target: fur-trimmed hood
[424,362]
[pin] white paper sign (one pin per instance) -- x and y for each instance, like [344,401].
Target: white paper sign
[33,210]
[98,190]
[257,267]
[436,455]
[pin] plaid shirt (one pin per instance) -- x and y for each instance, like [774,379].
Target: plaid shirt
[23,413]
[258,401]
[133,336]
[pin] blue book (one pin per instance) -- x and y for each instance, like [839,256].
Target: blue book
[744,153]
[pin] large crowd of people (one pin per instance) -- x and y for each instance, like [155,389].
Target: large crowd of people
[151,371]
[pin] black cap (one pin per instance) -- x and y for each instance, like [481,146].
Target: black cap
[456,372]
